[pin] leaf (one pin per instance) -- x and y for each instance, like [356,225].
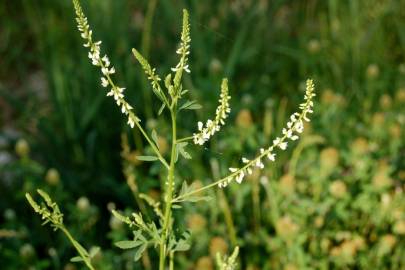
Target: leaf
[139,252]
[155,137]
[76,259]
[147,158]
[176,206]
[183,243]
[190,105]
[161,109]
[168,80]
[94,251]
[128,244]
[195,106]
[180,149]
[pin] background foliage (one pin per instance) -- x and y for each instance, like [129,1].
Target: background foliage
[335,200]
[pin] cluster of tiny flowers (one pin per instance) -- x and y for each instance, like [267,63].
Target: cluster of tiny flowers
[104,64]
[294,127]
[212,126]
[184,49]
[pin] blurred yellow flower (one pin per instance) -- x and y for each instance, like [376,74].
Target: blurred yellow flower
[338,189]
[244,119]
[196,222]
[204,263]
[373,71]
[22,148]
[52,177]
[286,228]
[218,245]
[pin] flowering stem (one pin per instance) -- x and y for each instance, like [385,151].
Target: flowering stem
[78,247]
[247,165]
[169,192]
[155,149]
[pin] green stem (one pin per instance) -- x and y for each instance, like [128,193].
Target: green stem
[155,149]
[78,248]
[185,139]
[171,264]
[169,194]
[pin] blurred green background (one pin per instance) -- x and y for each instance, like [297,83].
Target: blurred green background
[335,200]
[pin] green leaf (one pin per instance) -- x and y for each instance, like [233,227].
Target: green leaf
[128,244]
[139,252]
[161,109]
[180,149]
[76,259]
[190,105]
[168,80]
[182,245]
[94,251]
[147,158]
[155,137]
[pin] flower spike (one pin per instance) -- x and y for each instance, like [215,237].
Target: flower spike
[294,127]
[104,64]
[222,112]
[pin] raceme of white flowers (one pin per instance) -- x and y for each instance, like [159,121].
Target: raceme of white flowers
[222,112]
[294,127]
[104,63]
[184,48]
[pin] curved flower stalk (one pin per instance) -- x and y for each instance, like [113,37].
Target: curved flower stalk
[291,132]
[104,64]
[222,112]
[106,80]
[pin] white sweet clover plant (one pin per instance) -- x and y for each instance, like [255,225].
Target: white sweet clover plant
[162,236]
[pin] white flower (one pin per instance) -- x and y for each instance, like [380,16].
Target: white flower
[271,156]
[104,82]
[240,177]
[106,61]
[131,122]
[233,170]
[283,145]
